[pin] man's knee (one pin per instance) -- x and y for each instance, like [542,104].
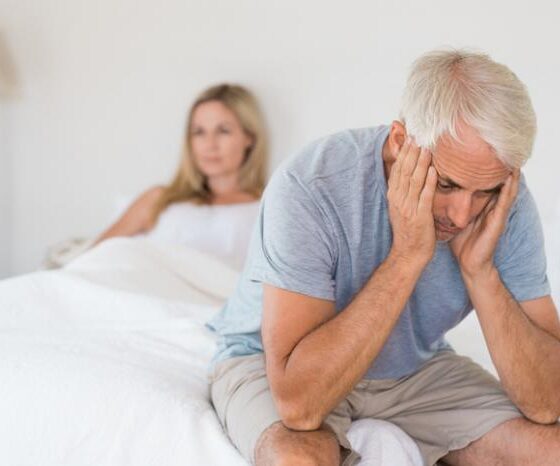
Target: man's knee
[280,446]
[515,442]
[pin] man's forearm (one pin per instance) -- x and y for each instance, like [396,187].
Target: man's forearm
[330,360]
[527,358]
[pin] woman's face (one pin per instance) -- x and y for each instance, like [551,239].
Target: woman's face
[218,141]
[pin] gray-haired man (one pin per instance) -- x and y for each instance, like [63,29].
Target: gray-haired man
[367,251]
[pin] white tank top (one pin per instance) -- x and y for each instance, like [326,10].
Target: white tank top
[222,231]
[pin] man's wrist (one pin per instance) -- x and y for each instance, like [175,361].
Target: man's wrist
[481,277]
[413,263]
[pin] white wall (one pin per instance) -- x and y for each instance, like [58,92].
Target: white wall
[6,223]
[103,87]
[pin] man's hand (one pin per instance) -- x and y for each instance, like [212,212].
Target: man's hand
[474,247]
[411,188]
[308,344]
[523,338]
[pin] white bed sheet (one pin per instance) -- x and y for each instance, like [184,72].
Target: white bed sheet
[104,362]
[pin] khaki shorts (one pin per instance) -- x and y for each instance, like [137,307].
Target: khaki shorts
[447,404]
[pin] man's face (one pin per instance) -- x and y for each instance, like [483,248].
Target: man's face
[469,177]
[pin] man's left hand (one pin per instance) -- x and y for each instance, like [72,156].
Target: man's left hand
[474,247]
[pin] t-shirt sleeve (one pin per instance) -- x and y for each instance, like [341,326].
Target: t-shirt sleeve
[520,257]
[297,243]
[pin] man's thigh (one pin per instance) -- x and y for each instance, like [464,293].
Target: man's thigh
[515,442]
[446,405]
[243,402]
[241,397]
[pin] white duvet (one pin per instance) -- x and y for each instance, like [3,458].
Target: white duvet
[104,363]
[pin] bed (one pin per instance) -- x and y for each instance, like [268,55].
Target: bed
[104,363]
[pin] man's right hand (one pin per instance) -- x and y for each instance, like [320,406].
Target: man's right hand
[411,188]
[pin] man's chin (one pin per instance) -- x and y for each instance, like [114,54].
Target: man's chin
[445,236]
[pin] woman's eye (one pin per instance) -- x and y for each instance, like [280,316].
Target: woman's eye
[224,130]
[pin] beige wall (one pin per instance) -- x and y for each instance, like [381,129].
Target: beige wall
[103,87]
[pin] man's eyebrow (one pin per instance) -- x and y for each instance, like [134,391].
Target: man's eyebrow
[447,180]
[453,184]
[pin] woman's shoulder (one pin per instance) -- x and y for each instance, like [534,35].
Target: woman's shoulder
[144,204]
[147,200]
[137,218]
[152,194]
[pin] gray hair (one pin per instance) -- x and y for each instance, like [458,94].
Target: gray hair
[447,86]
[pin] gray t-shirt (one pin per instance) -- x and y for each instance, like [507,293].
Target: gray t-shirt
[324,228]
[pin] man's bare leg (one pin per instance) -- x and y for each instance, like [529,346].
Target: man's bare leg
[516,442]
[279,445]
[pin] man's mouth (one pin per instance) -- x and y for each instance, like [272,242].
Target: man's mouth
[447,229]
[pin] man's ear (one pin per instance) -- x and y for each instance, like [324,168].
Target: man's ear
[397,136]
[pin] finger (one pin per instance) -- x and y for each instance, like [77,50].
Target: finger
[495,212]
[400,181]
[507,196]
[482,216]
[403,151]
[516,175]
[397,164]
[426,200]
[410,160]
[490,205]
[479,222]
[408,164]
[418,178]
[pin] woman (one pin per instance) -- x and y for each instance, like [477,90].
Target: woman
[212,201]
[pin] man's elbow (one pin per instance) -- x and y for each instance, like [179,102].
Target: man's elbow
[295,415]
[542,415]
[301,423]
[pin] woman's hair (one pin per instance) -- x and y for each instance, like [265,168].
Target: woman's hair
[448,86]
[189,183]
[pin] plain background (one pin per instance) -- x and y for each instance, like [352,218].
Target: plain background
[94,94]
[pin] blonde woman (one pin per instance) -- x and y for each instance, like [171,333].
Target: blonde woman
[212,202]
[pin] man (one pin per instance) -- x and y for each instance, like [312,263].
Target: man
[367,251]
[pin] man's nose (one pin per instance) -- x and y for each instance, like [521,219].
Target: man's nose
[459,211]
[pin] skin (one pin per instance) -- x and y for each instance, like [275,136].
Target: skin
[218,144]
[308,345]
[469,177]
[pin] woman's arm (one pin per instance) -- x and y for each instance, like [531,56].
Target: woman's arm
[137,218]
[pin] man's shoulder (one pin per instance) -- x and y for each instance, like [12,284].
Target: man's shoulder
[334,154]
[520,254]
